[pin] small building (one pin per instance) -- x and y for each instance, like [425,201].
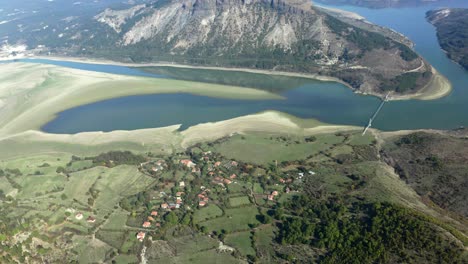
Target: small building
[79,216]
[205,199]
[234,163]
[233,176]
[201,203]
[227,181]
[188,163]
[146,224]
[274,193]
[164,206]
[182,184]
[217,163]
[141,236]
[282,180]
[179,193]
[271,197]
[154,213]
[158,224]
[150,219]
[178,200]
[91,219]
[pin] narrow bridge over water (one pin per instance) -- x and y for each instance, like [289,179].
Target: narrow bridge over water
[375,114]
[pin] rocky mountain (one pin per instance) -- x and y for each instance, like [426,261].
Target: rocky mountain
[452,32]
[290,35]
[282,35]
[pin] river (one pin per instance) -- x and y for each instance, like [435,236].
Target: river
[326,101]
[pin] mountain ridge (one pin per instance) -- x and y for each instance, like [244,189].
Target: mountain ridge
[276,35]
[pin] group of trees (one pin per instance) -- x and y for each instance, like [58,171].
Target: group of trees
[364,232]
[114,158]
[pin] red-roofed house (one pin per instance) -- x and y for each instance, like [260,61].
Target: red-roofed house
[146,224]
[91,219]
[141,236]
[233,176]
[154,213]
[271,197]
[227,181]
[201,203]
[188,163]
[150,218]
[164,206]
[274,193]
[217,163]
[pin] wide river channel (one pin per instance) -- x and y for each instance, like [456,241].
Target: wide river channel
[326,101]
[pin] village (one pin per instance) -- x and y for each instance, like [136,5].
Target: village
[198,180]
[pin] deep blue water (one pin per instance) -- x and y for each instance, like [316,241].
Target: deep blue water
[328,102]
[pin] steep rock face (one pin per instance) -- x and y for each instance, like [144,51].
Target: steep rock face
[288,35]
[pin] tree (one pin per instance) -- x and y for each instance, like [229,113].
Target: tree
[171,218]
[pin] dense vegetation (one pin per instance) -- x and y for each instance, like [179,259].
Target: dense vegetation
[452,32]
[406,82]
[364,233]
[114,158]
[434,165]
[367,41]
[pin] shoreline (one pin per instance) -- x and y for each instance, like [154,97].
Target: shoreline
[168,138]
[430,91]
[79,87]
[438,87]
[317,77]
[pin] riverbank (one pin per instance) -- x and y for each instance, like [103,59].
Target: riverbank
[164,140]
[32,94]
[437,88]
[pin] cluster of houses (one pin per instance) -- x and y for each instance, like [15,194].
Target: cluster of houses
[203,196]
[147,224]
[271,197]
[153,167]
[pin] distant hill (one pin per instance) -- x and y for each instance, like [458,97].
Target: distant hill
[381,3]
[283,35]
[452,32]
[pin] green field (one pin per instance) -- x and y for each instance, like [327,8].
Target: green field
[236,219]
[208,212]
[239,201]
[241,241]
[262,149]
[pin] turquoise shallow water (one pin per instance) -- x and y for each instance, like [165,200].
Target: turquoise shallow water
[328,102]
